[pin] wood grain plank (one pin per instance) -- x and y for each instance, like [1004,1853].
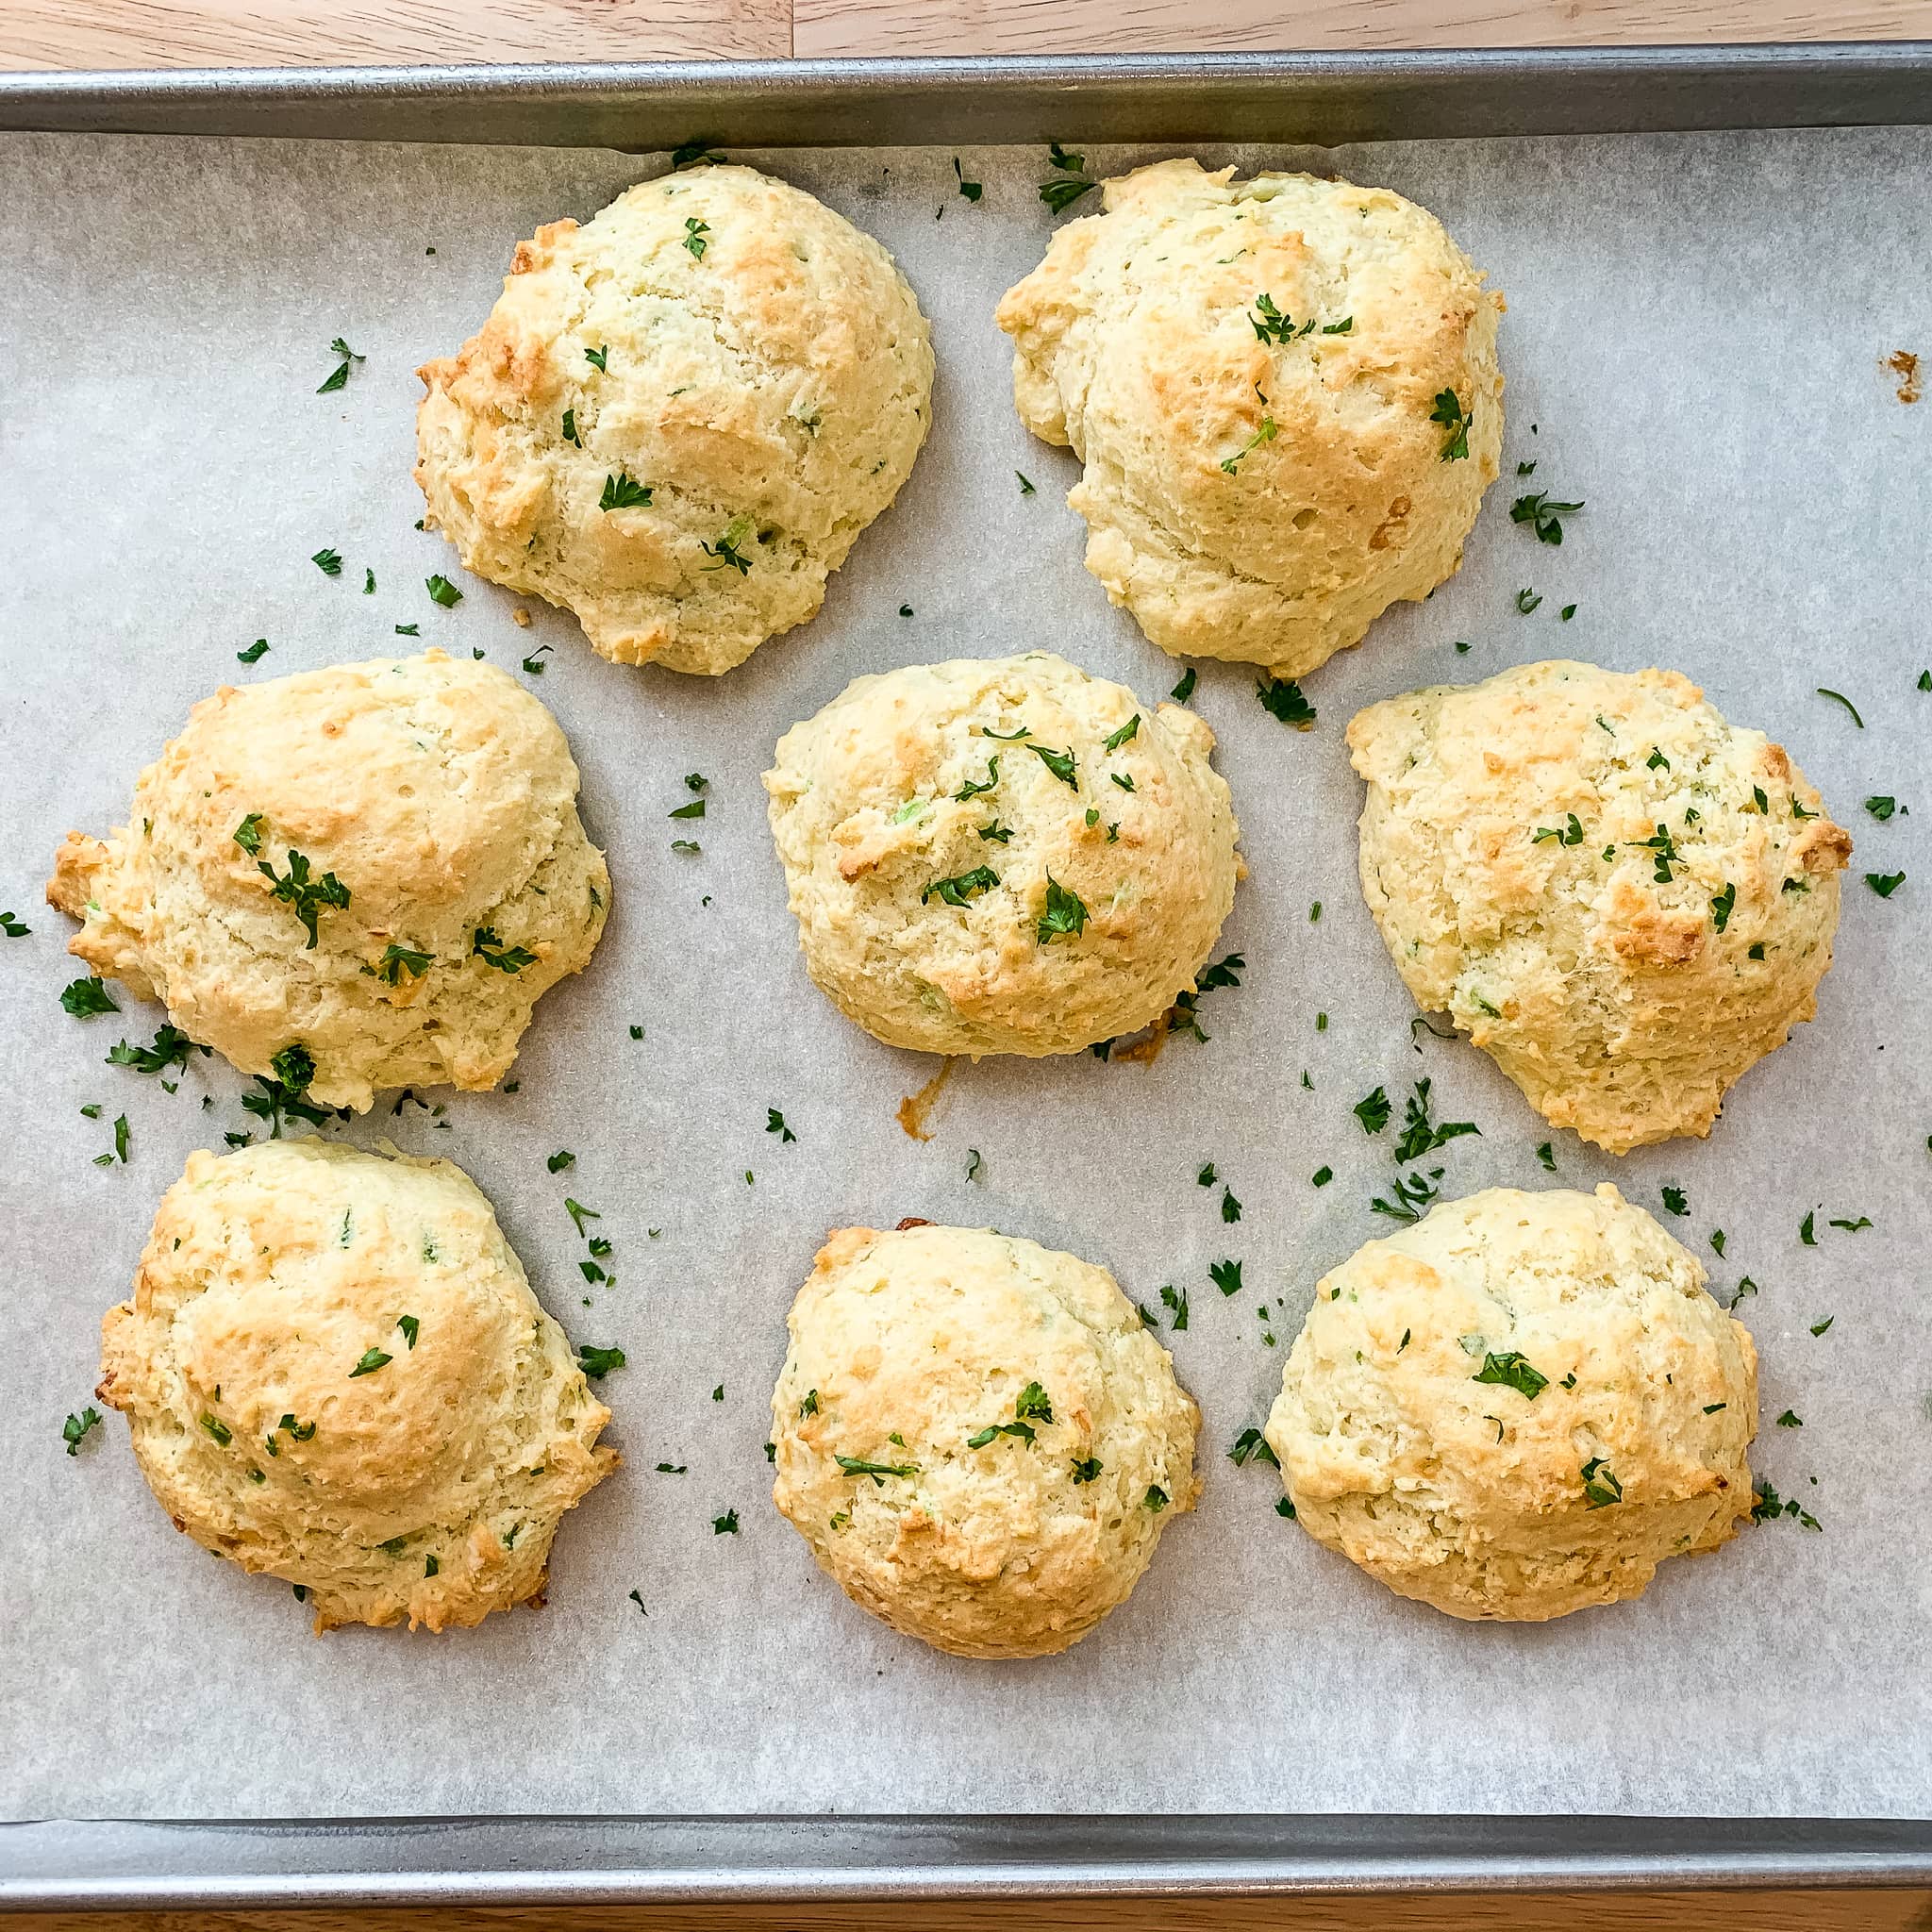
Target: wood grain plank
[824,28]
[360,33]
[1757,1911]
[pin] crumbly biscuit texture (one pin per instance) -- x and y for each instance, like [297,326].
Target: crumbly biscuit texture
[1625,901]
[978,1436]
[437,794]
[1253,374]
[335,1372]
[1519,1407]
[679,415]
[1002,856]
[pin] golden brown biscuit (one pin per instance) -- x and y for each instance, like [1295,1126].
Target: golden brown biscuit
[351,878]
[679,416]
[1625,900]
[1002,855]
[1519,1407]
[1285,395]
[335,1372]
[978,1436]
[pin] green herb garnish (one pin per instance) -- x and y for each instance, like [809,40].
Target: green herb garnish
[485,946]
[1513,1371]
[623,491]
[1065,914]
[1281,697]
[962,887]
[1546,516]
[1450,413]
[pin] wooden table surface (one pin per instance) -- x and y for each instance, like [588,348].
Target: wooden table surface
[161,33]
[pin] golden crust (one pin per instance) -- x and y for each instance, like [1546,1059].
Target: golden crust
[1470,1494]
[428,1488]
[905,1347]
[1621,1002]
[867,811]
[1257,499]
[440,793]
[773,381]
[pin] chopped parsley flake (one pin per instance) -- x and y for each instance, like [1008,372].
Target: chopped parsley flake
[728,551]
[369,1360]
[75,1429]
[1600,1487]
[339,376]
[86,997]
[1513,1371]
[1060,763]
[1281,697]
[1570,834]
[774,1123]
[598,1363]
[623,491]
[1450,413]
[398,961]
[1065,914]
[297,888]
[857,1465]
[963,886]
[1838,698]
[441,591]
[485,946]
[1544,515]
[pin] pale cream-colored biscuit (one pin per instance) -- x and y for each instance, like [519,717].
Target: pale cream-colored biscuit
[1625,900]
[1285,395]
[1519,1407]
[979,1437]
[425,810]
[1002,855]
[335,1372]
[679,415]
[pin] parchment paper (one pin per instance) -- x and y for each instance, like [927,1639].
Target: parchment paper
[1693,348]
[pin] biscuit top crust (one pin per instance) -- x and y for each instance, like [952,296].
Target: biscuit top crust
[1003,855]
[969,1427]
[428,808]
[680,414]
[1251,371]
[1623,898]
[1519,1405]
[335,1371]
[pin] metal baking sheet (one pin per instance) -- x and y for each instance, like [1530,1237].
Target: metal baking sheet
[1696,329]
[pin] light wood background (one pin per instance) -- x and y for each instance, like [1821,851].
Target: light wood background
[228,33]
[1773,1912]
[178,33]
